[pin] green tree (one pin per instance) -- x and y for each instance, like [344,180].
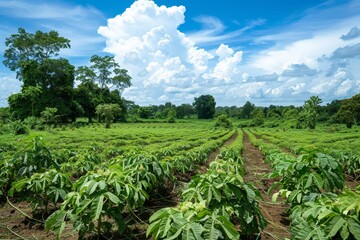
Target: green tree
[349,113]
[104,71]
[205,106]
[49,115]
[184,110]
[34,58]
[247,109]
[24,46]
[309,115]
[108,112]
[32,92]
[145,112]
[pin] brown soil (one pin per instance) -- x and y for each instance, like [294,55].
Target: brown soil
[274,213]
[14,225]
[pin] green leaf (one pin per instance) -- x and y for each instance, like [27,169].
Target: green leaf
[97,206]
[344,233]
[56,222]
[92,187]
[112,197]
[334,226]
[153,228]
[250,193]
[229,228]
[275,197]
[354,227]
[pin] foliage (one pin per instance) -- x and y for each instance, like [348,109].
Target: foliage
[312,172]
[205,106]
[36,159]
[210,203]
[24,46]
[49,115]
[34,123]
[349,113]
[32,92]
[224,122]
[108,112]
[104,70]
[191,221]
[42,188]
[328,217]
[309,115]
[19,127]
[247,109]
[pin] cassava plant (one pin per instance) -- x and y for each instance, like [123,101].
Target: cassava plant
[312,172]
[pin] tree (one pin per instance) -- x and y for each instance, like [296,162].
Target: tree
[32,92]
[205,106]
[49,115]
[145,112]
[108,112]
[105,71]
[247,109]
[48,79]
[55,77]
[184,110]
[223,121]
[309,115]
[24,46]
[349,113]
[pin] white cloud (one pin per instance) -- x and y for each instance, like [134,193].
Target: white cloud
[8,85]
[167,64]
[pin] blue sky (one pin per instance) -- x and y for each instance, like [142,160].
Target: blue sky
[267,52]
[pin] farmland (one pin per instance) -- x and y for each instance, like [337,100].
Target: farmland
[137,180]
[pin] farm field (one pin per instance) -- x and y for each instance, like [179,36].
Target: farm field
[328,138]
[77,181]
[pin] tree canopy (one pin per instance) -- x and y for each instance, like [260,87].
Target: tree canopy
[104,71]
[24,46]
[205,106]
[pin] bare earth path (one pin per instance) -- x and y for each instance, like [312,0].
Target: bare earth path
[273,212]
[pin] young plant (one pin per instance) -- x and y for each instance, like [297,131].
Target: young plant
[329,217]
[41,189]
[312,172]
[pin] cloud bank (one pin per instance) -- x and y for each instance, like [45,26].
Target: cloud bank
[169,65]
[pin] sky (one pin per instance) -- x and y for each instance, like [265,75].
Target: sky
[277,52]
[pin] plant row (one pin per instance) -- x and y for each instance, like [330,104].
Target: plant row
[313,184]
[217,204]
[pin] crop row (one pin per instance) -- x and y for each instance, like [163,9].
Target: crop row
[313,184]
[213,203]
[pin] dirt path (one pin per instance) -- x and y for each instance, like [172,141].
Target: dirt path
[273,212]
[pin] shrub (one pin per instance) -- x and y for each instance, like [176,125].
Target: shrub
[224,122]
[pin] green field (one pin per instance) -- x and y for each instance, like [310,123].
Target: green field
[328,138]
[169,179]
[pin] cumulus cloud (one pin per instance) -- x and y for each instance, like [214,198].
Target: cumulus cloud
[353,33]
[298,70]
[349,51]
[169,65]
[145,40]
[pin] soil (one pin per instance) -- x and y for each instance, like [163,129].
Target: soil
[274,213]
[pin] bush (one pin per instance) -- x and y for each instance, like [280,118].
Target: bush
[34,123]
[19,127]
[224,122]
